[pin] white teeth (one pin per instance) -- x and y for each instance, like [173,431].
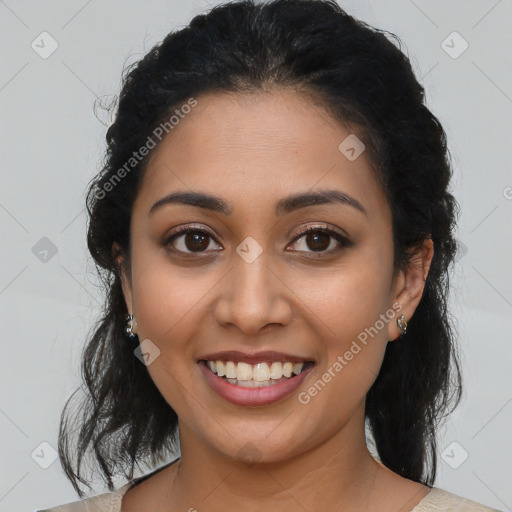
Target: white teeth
[221,369]
[254,383]
[297,368]
[276,370]
[230,370]
[261,372]
[257,373]
[287,369]
[243,371]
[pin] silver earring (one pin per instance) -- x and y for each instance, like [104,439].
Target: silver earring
[130,322]
[402,323]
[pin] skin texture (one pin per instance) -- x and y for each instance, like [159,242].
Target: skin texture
[252,150]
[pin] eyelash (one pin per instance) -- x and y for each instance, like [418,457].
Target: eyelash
[342,240]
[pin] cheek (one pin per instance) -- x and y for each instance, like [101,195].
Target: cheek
[167,298]
[350,307]
[351,353]
[167,302]
[349,299]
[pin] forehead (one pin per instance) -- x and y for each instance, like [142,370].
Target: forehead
[254,148]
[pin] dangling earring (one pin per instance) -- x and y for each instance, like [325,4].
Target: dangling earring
[130,323]
[402,323]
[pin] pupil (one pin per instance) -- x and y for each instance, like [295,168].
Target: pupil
[196,237]
[196,242]
[319,246]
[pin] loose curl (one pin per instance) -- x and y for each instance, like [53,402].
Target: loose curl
[364,81]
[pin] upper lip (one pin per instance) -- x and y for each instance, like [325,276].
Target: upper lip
[254,357]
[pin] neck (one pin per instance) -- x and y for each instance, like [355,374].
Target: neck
[339,471]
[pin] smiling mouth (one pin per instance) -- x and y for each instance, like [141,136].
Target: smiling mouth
[256,375]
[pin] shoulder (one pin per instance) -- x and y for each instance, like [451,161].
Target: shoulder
[438,500]
[108,502]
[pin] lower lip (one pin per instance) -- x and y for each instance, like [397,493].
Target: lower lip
[252,396]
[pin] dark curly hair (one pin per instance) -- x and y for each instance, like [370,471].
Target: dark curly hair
[364,80]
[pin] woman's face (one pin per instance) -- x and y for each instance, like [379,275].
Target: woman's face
[245,280]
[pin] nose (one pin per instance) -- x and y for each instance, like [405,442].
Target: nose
[253,296]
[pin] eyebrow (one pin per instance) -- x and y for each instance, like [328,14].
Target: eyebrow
[286,205]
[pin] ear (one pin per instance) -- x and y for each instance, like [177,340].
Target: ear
[126,282]
[409,284]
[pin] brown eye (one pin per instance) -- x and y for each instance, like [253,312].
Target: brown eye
[189,240]
[320,240]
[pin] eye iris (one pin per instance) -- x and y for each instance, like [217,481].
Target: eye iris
[318,246]
[193,237]
[197,241]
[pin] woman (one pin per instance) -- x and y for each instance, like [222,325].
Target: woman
[275,231]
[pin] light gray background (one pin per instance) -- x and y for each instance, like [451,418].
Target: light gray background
[51,147]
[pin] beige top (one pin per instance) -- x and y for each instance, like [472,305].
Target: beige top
[437,500]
